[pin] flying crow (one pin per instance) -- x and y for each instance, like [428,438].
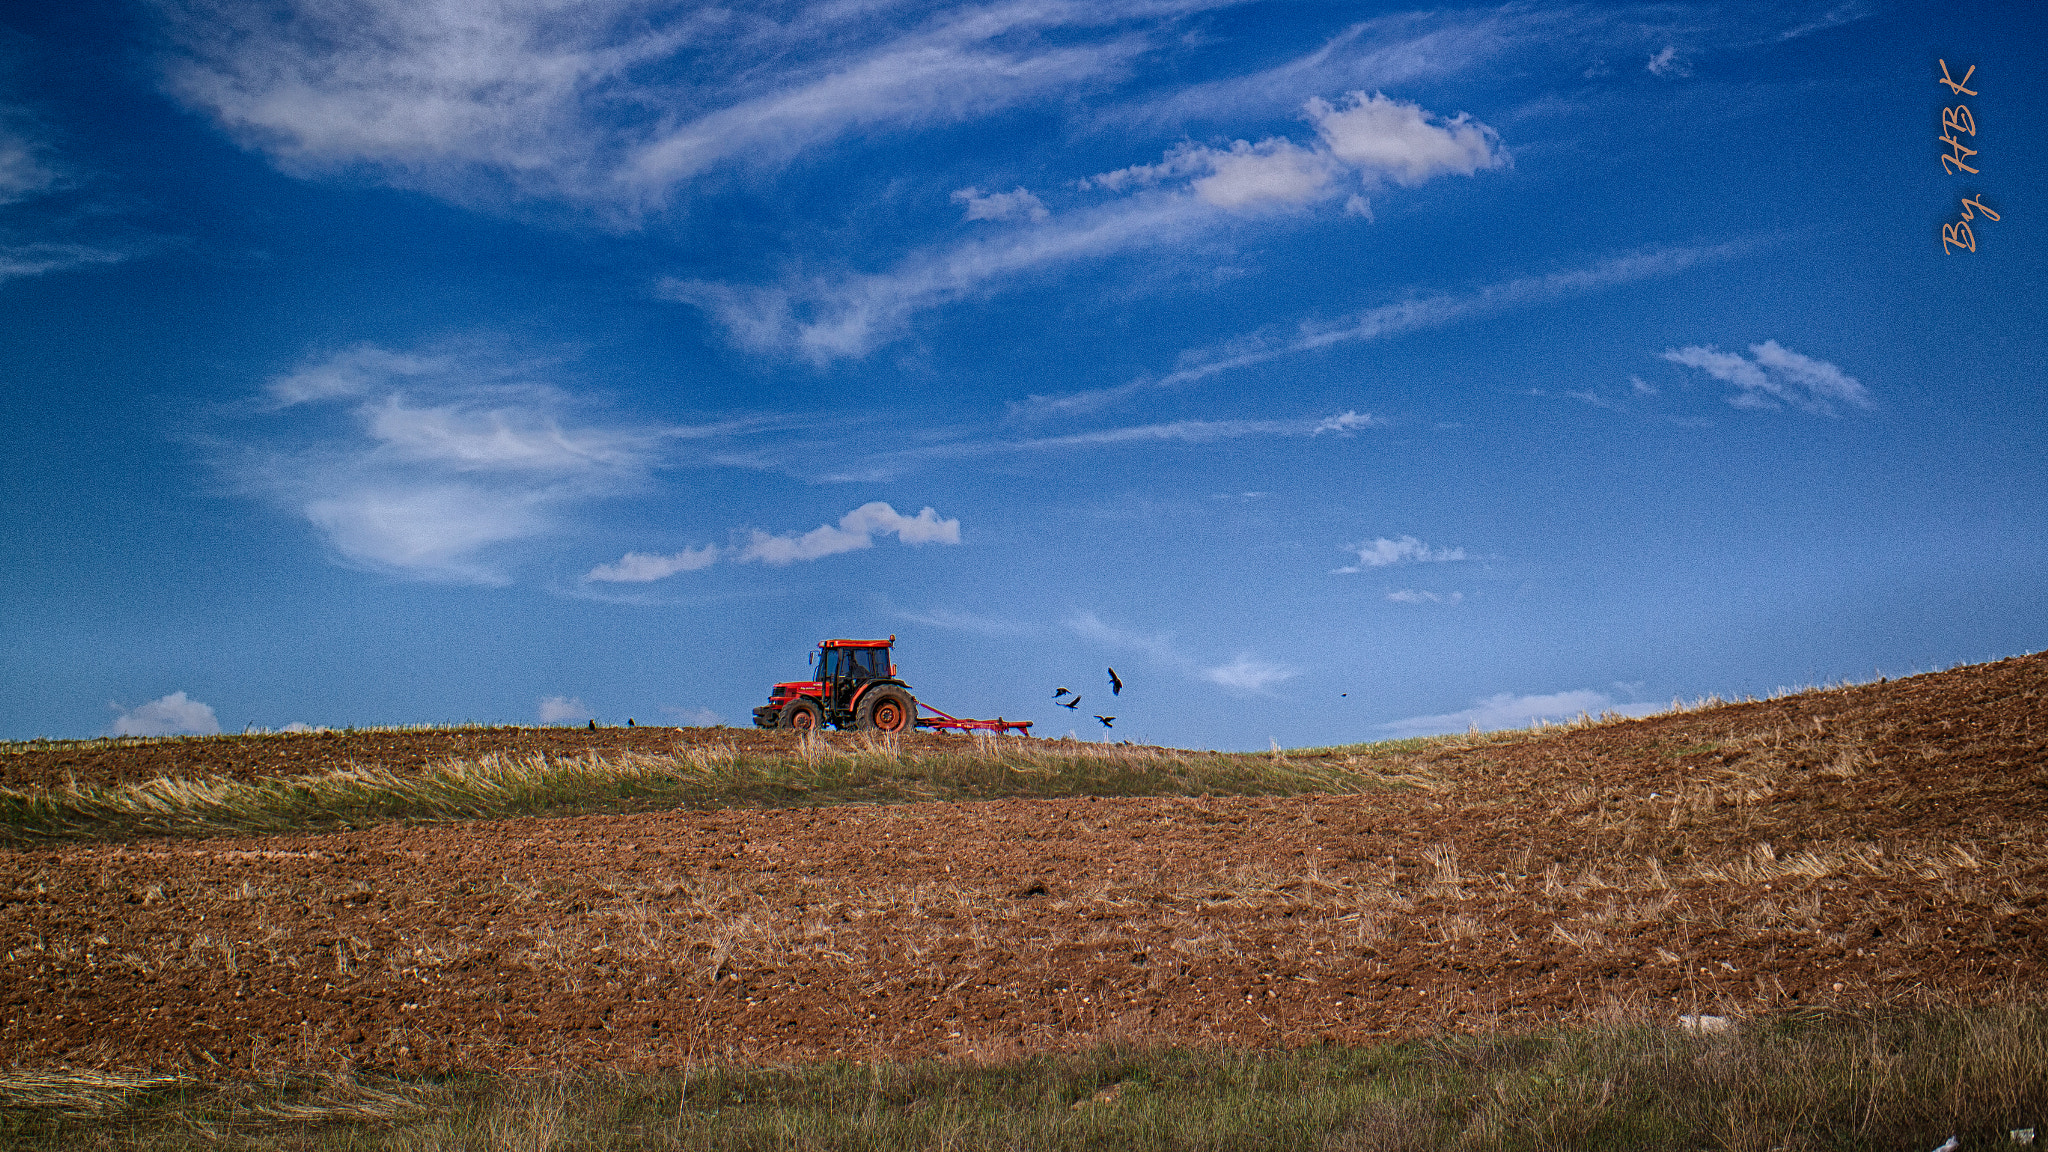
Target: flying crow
[1106,721]
[1059,692]
[1074,703]
[1116,686]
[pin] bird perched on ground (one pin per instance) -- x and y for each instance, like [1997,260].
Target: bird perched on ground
[1074,703]
[1059,692]
[1106,721]
[1116,686]
[593,725]
[629,721]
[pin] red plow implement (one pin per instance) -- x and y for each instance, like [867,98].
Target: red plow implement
[944,723]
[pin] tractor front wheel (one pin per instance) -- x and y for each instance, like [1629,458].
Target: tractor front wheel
[887,709]
[802,716]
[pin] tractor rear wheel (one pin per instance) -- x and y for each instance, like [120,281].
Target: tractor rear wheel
[887,709]
[802,716]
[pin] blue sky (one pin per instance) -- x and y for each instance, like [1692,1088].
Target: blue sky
[1335,372]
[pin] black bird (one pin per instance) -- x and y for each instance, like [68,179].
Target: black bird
[1116,686]
[1106,721]
[629,721]
[593,725]
[1074,703]
[1059,692]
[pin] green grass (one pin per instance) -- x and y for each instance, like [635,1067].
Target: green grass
[822,770]
[1896,1081]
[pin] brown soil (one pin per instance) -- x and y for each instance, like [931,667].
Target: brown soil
[1878,844]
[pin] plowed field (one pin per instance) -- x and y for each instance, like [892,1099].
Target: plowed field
[1881,843]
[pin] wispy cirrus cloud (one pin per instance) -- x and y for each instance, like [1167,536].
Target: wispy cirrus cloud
[619,103]
[1195,190]
[1430,311]
[1775,376]
[35,241]
[424,463]
[855,531]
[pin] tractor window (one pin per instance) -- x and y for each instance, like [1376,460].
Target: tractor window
[871,663]
[832,663]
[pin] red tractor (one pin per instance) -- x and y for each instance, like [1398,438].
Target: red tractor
[856,688]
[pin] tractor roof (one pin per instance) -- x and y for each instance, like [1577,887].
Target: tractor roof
[858,643]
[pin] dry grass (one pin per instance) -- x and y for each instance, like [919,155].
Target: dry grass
[823,770]
[1879,1080]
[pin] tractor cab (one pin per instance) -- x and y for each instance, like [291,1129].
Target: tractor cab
[856,687]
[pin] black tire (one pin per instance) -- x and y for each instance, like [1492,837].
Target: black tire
[886,709]
[801,716]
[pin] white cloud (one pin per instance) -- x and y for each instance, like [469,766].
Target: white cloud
[693,717]
[1382,552]
[1434,311]
[165,716]
[1194,190]
[958,621]
[18,260]
[1249,674]
[1510,711]
[1667,63]
[1002,205]
[1412,596]
[1346,421]
[640,567]
[1775,377]
[1402,141]
[617,103]
[856,530]
[1271,172]
[563,710]
[25,168]
[1639,387]
[442,457]
[300,726]
[826,318]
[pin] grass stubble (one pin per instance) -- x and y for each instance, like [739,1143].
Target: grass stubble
[1818,1081]
[820,770]
[1902,1076]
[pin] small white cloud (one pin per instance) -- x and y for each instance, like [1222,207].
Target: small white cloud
[1641,389]
[24,167]
[856,530]
[1002,205]
[563,710]
[1248,673]
[300,726]
[1776,377]
[1507,710]
[166,716]
[1382,552]
[1411,596]
[1402,141]
[692,717]
[640,567]
[1358,206]
[1667,63]
[1346,421]
[1274,171]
